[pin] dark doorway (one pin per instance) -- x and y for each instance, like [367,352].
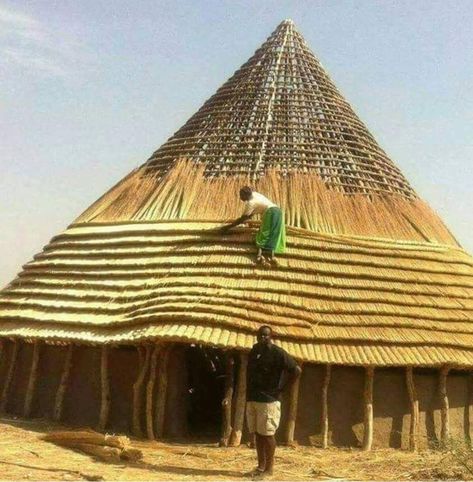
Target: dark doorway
[205,366]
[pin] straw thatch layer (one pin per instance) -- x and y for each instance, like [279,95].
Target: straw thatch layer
[334,299]
[186,193]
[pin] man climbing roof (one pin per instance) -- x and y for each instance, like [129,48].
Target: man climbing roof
[271,237]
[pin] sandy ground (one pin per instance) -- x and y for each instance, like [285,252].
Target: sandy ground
[23,456]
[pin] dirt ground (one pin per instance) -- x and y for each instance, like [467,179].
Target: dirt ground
[23,456]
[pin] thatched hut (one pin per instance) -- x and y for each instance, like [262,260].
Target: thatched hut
[139,316]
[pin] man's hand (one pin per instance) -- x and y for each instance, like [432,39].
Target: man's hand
[224,230]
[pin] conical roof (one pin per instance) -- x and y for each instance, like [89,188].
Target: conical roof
[371,275]
[282,110]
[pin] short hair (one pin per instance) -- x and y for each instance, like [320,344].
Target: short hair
[261,328]
[247,191]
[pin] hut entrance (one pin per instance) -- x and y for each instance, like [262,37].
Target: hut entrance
[206,388]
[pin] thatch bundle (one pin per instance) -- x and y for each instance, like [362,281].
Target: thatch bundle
[110,448]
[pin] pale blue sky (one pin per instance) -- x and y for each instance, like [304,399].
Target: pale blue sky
[89,88]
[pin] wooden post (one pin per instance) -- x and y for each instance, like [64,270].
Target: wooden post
[161,392]
[414,409]
[467,411]
[240,402]
[105,389]
[150,392]
[62,387]
[325,387]
[138,390]
[9,377]
[227,401]
[444,406]
[32,380]
[368,399]
[292,412]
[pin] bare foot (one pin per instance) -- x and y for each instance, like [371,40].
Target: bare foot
[261,260]
[273,262]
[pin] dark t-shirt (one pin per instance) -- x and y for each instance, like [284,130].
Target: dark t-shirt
[265,367]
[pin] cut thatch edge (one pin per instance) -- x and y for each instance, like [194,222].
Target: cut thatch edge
[362,351]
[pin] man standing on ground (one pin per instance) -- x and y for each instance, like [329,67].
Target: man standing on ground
[266,365]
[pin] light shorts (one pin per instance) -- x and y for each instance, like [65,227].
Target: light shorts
[263,418]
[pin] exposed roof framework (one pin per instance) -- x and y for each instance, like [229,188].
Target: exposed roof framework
[282,110]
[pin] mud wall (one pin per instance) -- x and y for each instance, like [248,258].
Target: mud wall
[345,396]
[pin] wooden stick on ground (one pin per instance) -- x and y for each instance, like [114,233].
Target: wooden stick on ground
[9,377]
[105,389]
[150,392]
[368,402]
[62,387]
[227,401]
[32,380]
[292,415]
[325,387]
[161,392]
[414,408]
[444,405]
[138,390]
[240,402]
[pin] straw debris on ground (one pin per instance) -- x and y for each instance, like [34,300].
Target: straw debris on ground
[26,455]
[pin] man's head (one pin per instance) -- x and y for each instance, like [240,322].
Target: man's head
[245,193]
[264,335]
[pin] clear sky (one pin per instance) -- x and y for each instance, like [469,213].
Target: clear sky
[90,88]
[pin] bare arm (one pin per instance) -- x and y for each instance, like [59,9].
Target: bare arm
[242,219]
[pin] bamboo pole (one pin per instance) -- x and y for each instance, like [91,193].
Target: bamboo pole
[368,418]
[292,412]
[150,392]
[444,406]
[9,377]
[240,402]
[161,392]
[32,380]
[414,409]
[62,387]
[138,390]
[325,387]
[227,401]
[105,389]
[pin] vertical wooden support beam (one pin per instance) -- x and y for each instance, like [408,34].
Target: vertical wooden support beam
[105,389]
[240,402]
[292,412]
[444,406]
[9,377]
[32,380]
[227,401]
[150,392]
[368,405]
[325,387]
[62,387]
[161,392]
[414,409]
[144,354]
[467,411]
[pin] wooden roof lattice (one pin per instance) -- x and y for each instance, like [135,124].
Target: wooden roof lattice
[281,110]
